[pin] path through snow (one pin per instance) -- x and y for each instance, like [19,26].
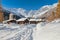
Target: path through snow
[22,32]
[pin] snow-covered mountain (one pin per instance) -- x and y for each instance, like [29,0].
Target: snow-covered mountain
[14,11]
[7,12]
[21,11]
[45,10]
[33,13]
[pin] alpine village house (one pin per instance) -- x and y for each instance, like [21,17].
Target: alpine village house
[54,15]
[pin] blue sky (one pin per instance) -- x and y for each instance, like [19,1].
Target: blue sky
[27,4]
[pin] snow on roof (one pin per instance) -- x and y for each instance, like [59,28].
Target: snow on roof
[5,21]
[22,19]
[35,19]
[9,20]
[32,20]
[39,20]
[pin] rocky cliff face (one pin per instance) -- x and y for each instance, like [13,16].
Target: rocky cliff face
[55,13]
[1,17]
[52,14]
[58,11]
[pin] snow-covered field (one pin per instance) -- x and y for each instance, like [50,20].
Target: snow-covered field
[17,32]
[41,31]
[49,31]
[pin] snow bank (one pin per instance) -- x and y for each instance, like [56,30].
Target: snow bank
[50,31]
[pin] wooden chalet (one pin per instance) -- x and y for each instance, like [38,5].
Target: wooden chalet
[9,21]
[23,21]
[35,21]
[32,21]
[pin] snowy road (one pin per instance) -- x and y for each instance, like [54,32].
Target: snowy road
[22,32]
